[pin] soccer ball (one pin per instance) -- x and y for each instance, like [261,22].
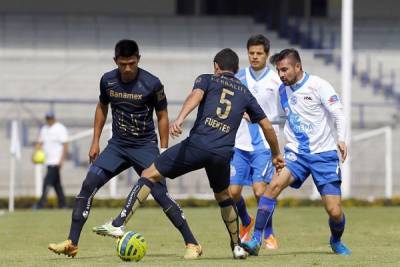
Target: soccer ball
[131,247]
[38,157]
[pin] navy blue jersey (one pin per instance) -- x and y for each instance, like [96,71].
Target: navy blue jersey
[132,106]
[220,112]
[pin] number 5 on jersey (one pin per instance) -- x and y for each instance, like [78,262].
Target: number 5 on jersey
[223,100]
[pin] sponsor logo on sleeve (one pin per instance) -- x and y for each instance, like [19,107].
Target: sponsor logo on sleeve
[333,99]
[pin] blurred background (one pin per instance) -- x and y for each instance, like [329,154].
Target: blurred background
[53,53]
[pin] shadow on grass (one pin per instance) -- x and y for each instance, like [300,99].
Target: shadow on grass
[293,253]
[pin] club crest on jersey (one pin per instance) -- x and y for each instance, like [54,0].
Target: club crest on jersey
[333,99]
[290,156]
[233,171]
[293,100]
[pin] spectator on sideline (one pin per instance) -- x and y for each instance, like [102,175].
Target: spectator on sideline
[53,138]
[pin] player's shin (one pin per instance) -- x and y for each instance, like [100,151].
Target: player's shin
[231,220]
[337,229]
[265,211]
[242,211]
[174,212]
[137,196]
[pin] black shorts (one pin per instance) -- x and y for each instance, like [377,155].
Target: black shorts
[183,158]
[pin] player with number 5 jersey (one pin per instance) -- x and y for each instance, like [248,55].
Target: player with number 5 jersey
[221,100]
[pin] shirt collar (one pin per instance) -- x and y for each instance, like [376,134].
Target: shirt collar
[263,74]
[300,83]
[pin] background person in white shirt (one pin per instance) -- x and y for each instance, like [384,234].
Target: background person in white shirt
[53,138]
[312,108]
[251,164]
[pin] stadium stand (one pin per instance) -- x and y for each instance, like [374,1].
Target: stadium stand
[56,58]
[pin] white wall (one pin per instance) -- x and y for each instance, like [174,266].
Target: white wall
[367,8]
[107,7]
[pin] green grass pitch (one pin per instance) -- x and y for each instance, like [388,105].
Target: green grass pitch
[373,234]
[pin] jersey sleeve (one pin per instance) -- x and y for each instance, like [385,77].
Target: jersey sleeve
[253,109]
[201,82]
[329,98]
[103,98]
[63,135]
[160,99]
[331,101]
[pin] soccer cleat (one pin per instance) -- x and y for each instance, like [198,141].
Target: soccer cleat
[252,247]
[108,229]
[192,252]
[66,247]
[271,242]
[239,253]
[339,248]
[244,232]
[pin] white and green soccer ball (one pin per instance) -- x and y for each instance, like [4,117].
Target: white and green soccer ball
[131,247]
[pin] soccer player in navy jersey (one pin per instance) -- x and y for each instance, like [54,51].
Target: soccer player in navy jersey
[133,94]
[222,100]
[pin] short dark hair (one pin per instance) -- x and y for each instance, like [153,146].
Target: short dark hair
[285,53]
[259,39]
[126,48]
[227,59]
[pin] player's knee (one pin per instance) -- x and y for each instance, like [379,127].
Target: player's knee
[274,189]
[152,174]
[236,195]
[93,181]
[222,196]
[334,212]
[259,192]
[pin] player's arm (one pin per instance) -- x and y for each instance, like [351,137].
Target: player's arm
[39,142]
[161,107]
[100,118]
[332,103]
[191,102]
[63,155]
[163,124]
[64,140]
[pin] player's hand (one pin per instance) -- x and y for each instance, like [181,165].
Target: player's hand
[175,128]
[279,163]
[343,150]
[246,117]
[94,152]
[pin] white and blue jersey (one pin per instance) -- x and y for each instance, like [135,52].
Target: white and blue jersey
[312,106]
[265,89]
[252,158]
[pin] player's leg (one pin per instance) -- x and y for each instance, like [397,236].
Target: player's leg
[45,190]
[107,165]
[218,172]
[266,207]
[326,174]
[294,174]
[263,170]
[142,158]
[58,188]
[239,173]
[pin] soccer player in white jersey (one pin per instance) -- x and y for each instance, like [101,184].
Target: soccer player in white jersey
[312,107]
[251,164]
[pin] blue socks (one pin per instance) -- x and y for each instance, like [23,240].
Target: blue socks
[268,230]
[265,211]
[242,211]
[337,229]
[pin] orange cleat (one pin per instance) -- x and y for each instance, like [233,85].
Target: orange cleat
[66,247]
[244,232]
[271,242]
